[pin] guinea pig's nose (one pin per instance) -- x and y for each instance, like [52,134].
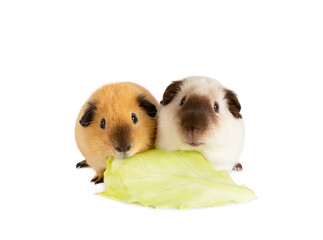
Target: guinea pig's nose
[192,128]
[123,148]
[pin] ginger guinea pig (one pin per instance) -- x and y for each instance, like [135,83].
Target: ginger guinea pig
[118,120]
[199,113]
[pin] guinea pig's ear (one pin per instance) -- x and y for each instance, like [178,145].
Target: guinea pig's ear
[233,103]
[88,115]
[171,91]
[147,106]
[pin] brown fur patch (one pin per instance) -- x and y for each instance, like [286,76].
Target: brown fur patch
[171,91]
[121,137]
[233,103]
[147,106]
[88,114]
[195,115]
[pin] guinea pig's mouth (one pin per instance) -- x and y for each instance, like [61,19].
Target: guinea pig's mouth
[195,144]
[123,155]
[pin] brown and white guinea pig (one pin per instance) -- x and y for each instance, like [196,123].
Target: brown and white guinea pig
[199,113]
[117,120]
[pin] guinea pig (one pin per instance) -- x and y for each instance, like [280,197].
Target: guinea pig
[200,114]
[117,120]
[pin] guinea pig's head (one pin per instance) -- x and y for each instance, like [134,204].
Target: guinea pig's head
[119,120]
[196,108]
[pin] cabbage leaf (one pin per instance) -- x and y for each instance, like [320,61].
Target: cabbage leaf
[180,179]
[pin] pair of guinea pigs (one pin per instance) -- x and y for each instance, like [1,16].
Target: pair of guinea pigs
[196,113]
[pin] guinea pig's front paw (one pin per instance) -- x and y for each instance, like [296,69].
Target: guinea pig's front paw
[237,167]
[97,179]
[82,164]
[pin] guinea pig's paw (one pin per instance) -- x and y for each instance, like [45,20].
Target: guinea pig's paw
[97,179]
[237,167]
[82,164]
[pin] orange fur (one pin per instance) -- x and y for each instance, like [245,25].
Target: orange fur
[115,102]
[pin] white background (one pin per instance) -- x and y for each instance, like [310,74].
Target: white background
[54,54]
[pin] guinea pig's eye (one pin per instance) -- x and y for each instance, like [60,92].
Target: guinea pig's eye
[216,107]
[102,123]
[182,101]
[134,118]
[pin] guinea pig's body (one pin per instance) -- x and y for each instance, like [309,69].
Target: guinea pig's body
[199,114]
[118,120]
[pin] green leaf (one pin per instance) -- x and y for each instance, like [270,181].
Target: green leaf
[181,179]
